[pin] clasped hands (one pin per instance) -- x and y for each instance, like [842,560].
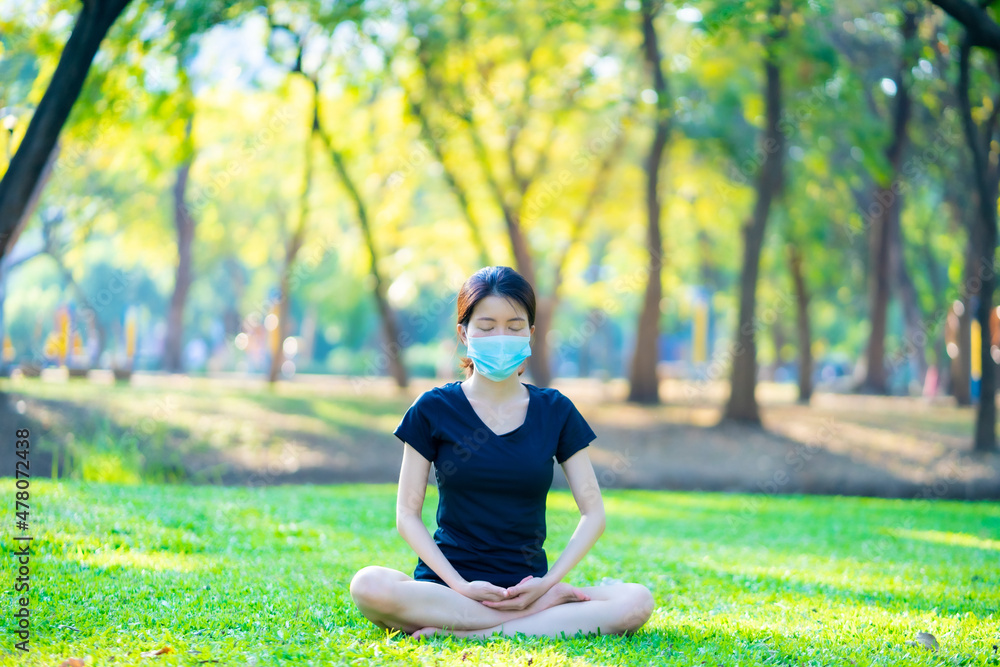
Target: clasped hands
[515,598]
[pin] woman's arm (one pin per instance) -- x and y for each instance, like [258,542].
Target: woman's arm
[409,503]
[583,482]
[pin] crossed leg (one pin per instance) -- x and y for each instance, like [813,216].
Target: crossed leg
[393,600]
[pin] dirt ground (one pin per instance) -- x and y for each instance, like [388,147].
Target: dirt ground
[324,431]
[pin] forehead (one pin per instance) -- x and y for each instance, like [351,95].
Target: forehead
[499,308]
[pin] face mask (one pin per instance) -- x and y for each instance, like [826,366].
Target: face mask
[496,357]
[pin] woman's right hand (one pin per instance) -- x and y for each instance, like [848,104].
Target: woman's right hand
[484,590]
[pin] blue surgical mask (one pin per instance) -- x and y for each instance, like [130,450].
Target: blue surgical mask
[496,357]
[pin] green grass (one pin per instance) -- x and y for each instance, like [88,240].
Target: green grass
[260,576]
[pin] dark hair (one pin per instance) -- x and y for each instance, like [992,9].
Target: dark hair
[501,281]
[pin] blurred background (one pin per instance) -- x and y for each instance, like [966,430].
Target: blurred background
[735,215]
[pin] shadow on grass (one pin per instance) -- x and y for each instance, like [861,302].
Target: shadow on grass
[98,446]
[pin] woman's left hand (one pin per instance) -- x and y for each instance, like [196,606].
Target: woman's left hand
[521,596]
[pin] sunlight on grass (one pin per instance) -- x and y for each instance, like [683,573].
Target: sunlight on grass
[121,557]
[956,539]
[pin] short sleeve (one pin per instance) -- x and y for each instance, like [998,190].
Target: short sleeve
[575,435]
[414,429]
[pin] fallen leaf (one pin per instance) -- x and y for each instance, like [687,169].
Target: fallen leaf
[159,651]
[925,639]
[72,662]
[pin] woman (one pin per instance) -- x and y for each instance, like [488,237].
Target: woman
[492,439]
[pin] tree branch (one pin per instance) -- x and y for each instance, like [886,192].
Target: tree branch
[983,30]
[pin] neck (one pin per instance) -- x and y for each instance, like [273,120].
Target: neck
[507,389]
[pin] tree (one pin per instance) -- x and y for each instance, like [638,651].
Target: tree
[885,235]
[393,350]
[981,30]
[509,109]
[742,403]
[185,224]
[644,385]
[982,140]
[28,164]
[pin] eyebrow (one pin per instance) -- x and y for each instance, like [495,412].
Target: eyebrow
[513,319]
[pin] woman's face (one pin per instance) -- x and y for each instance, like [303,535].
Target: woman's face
[496,316]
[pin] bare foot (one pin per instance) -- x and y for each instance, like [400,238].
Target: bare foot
[561,593]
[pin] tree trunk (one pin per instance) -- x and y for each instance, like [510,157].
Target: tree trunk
[450,177]
[885,210]
[184,223]
[26,167]
[939,339]
[546,306]
[802,325]
[961,363]
[876,379]
[293,246]
[7,261]
[986,183]
[539,363]
[644,379]
[392,345]
[284,294]
[770,372]
[916,338]
[231,317]
[742,403]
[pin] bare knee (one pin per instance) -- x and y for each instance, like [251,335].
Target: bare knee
[637,606]
[371,589]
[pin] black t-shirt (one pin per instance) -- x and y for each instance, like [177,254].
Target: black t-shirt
[492,488]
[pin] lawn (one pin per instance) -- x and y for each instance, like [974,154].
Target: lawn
[243,575]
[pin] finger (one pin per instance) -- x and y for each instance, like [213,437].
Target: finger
[516,598]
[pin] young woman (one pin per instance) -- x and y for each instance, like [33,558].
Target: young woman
[492,439]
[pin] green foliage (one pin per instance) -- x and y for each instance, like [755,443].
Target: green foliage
[544,84]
